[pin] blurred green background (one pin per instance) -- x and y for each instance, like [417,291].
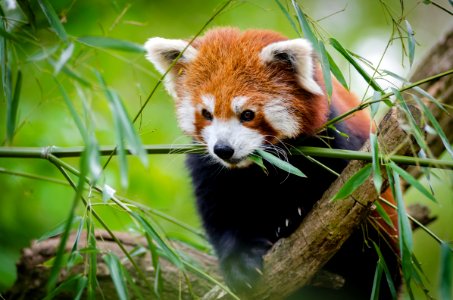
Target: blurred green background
[31,207]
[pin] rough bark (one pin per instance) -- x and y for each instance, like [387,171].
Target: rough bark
[292,262]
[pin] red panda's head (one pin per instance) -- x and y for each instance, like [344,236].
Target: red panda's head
[239,91]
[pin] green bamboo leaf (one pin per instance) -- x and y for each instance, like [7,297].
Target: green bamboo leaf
[111,43]
[353,183]
[337,72]
[92,148]
[281,164]
[73,112]
[412,181]
[80,288]
[75,283]
[11,111]
[411,41]
[259,161]
[386,270]
[345,53]
[167,250]
[53,19]
[427,112]
[58,229]
[325,69]
[92,259]
[383,214]
[5,34]
[405,239]
[288,16]
[117,275]
[415,130]
[59,256]
[377,177]
[376,281]
[71,73]
[64,57]
[374,107]
[431,98]
[446,273]
[306,29]
[318,46]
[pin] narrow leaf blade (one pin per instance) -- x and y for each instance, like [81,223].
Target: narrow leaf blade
[377,177]
[446,273]
[111,43]
[117,275]
[53,19]
[353,182]
[411,41]
[412,181]
[11,117]
[281,164]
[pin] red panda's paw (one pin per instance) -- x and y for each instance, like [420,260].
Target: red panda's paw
[243,269]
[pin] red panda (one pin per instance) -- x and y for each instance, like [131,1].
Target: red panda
[239,91]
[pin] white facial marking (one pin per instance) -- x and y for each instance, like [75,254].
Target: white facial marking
[237,104]
[281,118]
[242,139]
[185,113]
[209,102]
[300,50]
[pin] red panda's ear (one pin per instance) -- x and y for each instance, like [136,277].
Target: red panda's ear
[299,53]
[162,52]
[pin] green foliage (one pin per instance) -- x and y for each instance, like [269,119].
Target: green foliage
[61,59]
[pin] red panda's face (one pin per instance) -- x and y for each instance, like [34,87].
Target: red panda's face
[238,92]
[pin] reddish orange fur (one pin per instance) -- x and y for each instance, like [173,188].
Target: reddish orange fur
[228,48]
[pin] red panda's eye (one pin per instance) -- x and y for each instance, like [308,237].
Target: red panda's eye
[247,115]
[206,114]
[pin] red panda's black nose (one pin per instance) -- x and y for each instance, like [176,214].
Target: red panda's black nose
[223,150]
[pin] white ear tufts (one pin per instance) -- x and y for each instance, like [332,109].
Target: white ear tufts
[161,52]
[299,52]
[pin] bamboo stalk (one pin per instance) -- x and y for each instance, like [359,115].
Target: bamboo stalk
[65,152]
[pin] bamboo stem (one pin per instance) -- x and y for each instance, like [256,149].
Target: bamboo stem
[64,152]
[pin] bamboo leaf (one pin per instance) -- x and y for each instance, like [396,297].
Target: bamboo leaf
[383,214]
[117,275]
[446,273]
[353,183]
[281,164]
[288,16]
[369,80]
[411,41]
[435,124]
[11,115]
[431,98]
[75,283]
[92,148]
[111,43]
[64,57]
[167,250]
[259,161]
[59,256]
[415,130]
[92,258]
[374,107]
[53,19]
[58,229]
[406,242]
[412,181]
[377,177]
[308,33]
[337,72]
[376,281]
[325,69]
[386,270]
